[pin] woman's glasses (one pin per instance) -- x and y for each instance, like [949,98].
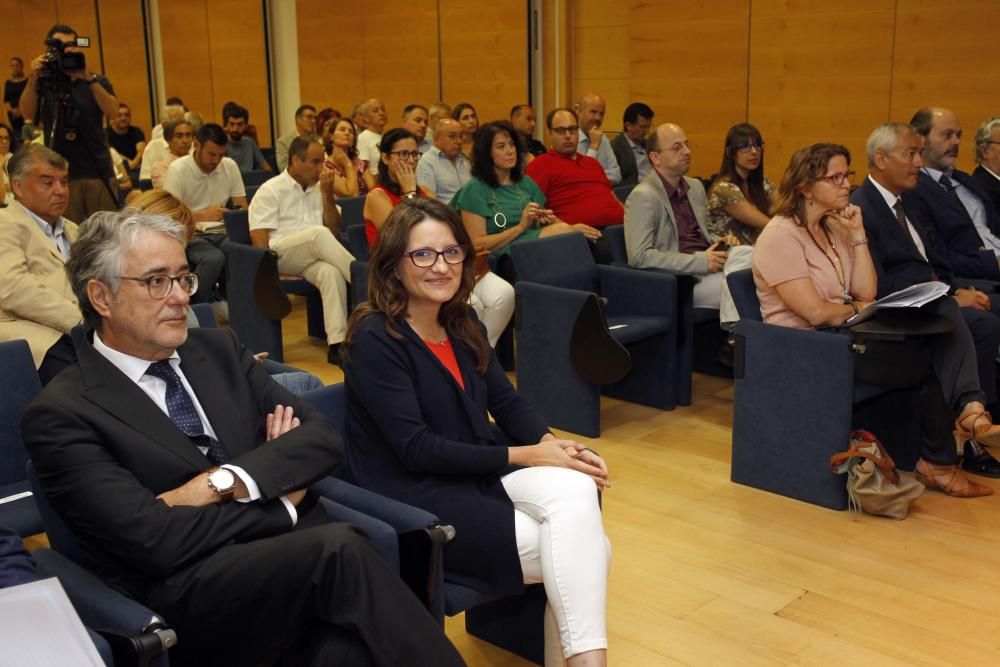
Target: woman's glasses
[425,258]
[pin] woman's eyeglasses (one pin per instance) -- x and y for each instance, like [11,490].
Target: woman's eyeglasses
[425,258]
[839,178]
[406,155]
[748,146]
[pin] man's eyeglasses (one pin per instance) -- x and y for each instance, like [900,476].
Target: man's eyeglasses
[748,146]
[406,155]
[839,178]
[425,258]
[564,131]
[159,285]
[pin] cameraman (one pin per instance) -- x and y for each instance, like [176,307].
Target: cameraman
[79,132]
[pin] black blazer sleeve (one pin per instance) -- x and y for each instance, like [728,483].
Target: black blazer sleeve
[626,160]
[964,253]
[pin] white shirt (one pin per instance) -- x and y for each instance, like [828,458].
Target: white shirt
[890,201]
[368,142]
[282,206]
[156,150]
[186,181]
[603,154]
[135,368]
[55,233]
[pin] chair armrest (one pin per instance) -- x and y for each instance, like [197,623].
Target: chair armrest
[632,292]
[382,535]
[400,516]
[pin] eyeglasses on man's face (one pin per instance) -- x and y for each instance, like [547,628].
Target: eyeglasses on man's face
[159,285]
[564,131]
[839,178]
[425,258]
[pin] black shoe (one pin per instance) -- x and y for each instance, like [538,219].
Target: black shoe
[978,461]
[727,353]
[333,355]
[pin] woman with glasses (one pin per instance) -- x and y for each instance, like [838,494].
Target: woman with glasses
[351,177]
[421,384]
[812,270]
[397,178]
[6,140]
[739,201]
[466,116]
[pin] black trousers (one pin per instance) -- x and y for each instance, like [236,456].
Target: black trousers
[984,325]
[944,368]
[318,595]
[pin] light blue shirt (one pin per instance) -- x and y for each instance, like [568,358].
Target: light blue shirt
[603,154]
[973,205]
[642,163]
[55,233]
[442,177]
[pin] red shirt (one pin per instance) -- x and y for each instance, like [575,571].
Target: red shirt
[446,355]
[576,189]
[371,231]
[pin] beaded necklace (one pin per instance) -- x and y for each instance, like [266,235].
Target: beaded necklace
[838,266]
[499,219]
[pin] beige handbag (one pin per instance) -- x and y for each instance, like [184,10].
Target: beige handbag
[873,483]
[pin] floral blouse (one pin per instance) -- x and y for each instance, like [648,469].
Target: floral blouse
[720,223]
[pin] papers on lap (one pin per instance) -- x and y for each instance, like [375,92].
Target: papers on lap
[913,296]
[39,627]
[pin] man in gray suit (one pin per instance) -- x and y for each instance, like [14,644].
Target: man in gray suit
[666,220]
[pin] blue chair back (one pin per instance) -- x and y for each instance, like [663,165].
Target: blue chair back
[257,176]
[615,234]
[744,292]
[238,225]
[251,190]
[205,316]
[21,385]
[622,192]
[61,538]
[352,211]
[560,261]
[358,242]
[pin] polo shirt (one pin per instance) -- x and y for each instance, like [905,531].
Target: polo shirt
[245,154]
[126,143]
[576,188]
[186,181]
[440,176]
[368,142]
[282,206]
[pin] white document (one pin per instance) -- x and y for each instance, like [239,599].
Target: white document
[40,628]
[913,296]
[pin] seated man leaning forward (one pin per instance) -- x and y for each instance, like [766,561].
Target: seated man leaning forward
[36,301]
[666,219]
[183,471]
[296,215]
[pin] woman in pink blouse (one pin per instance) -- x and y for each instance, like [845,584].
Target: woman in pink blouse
[812,270]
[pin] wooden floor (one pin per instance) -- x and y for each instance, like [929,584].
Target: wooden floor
[707,572]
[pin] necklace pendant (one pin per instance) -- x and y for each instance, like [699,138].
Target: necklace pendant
[847,297]
[500,220]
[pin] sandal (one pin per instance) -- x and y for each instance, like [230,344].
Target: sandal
[948,479]
[978,426]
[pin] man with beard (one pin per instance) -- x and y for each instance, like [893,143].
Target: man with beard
[242,149]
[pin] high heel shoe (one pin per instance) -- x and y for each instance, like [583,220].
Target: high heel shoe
[949,480]
[978,426]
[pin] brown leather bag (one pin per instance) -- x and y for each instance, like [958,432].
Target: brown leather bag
[873,483]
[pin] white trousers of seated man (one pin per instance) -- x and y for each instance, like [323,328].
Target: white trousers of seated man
[493,300]
[317,255]
[712,291]
[561,544]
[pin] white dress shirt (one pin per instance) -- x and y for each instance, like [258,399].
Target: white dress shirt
[603,154]
[186,181]
[368,142]
[135,369]
[282,206]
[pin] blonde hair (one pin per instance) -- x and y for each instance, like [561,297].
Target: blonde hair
[161,202]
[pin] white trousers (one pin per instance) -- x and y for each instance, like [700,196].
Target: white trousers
[316,255]
[493,300]
[712,291]
[561,543]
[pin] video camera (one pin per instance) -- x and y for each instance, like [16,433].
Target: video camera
[59,62]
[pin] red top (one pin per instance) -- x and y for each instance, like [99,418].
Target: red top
[371,231]
[576,189]
[446,355]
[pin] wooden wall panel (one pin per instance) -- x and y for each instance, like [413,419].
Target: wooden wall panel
[124,49]
[600,56]
[186,55]
[689,63]
[946,55]
[484,55]
[331,71]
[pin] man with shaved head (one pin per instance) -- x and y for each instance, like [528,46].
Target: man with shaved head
[368,141]
[592,142]
[443,169]
[955,203]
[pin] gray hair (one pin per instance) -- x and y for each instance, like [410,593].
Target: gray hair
[99,252]
[361,108]
[437,107]
[983,135]
[195,120]
[28,155]
[885,137]
[171,111]
[171,125]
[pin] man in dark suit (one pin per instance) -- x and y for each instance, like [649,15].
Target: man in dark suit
[951,200]
[183,471]
[987,174]
[905,253]
[630,145]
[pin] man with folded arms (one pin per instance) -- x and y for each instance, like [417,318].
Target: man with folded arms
[295,214]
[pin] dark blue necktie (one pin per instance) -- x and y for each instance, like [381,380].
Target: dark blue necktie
[946,183]
[182,413]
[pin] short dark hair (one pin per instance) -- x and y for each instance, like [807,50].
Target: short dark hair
[299,147]
[177,102]
[302,109]
[552,114]
[171,126]
[235,111]
[19,61]
[212,132]
[122,105]
[923,121]
[389,139]
[482,152]
[634,110]
[410,108]
[516,109]
[62,29]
